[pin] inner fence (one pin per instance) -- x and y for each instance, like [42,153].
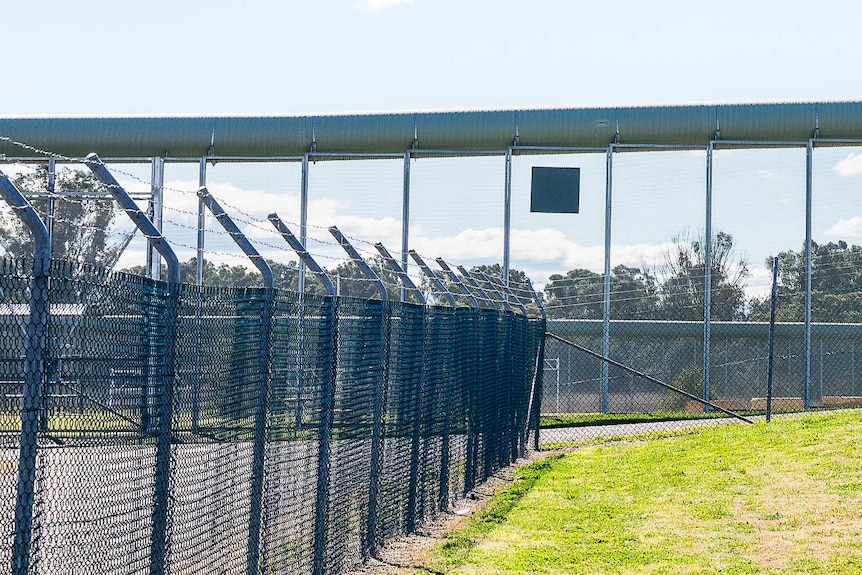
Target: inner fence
[190,429]
[574,393]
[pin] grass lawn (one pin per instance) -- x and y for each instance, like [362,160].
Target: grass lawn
[784,498]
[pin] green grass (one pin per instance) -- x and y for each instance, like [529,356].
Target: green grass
[784,498]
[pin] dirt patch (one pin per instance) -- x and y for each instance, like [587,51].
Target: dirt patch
[403,555]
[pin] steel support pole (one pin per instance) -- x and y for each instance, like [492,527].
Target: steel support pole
[201,230]
[50,201]
[168,340]
[379,392]
[707,276]
[606,298]
[34,374]
[405,223]
[264,301]
[773,299]
[157,182]
[507,216]
[806,354]
[303,219]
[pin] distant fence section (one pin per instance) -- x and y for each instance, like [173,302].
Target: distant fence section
[190,429]
[580,401]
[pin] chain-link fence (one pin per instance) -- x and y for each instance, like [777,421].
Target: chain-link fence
[581,401]
[153,427]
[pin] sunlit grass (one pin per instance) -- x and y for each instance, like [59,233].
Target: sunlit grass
[783,498]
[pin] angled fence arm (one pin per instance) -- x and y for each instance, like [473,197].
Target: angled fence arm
[454,277]
[536,299]
[508,291]
[433,277]
[472,281]
[303,254]
[34,373]
[504,297]
[237,236]
[154,237]
[402,275]
[354,255]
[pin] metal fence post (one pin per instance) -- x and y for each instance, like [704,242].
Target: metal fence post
[265,376]
[328,357]
[161,490]
[34,373]
[379,391]
[472,407]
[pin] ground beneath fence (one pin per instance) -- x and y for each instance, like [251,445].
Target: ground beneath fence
[403,555]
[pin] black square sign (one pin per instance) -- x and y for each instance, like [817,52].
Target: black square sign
[555,190]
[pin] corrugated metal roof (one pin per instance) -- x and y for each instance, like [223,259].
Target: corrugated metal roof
[261,136]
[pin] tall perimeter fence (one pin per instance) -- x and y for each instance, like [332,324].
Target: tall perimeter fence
[190,429]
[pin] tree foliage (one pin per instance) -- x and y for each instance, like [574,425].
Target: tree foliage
[682,280]
[580,294]
[81,228]
[675,291]
[836,285]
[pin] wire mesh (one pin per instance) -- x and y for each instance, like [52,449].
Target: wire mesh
[259,430]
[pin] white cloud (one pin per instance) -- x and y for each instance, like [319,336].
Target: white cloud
[846,229]
[849,166]
[377,5]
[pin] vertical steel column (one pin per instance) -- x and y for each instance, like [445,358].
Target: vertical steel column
[707,276]
[606,298]
[201,235]
[303,219]
[34,374]
[405,222]
[538,375]
[507,216]
[157,182]
[806,354]
[49,203]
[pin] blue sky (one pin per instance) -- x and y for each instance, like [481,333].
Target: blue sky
[216,57]
[289,57]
